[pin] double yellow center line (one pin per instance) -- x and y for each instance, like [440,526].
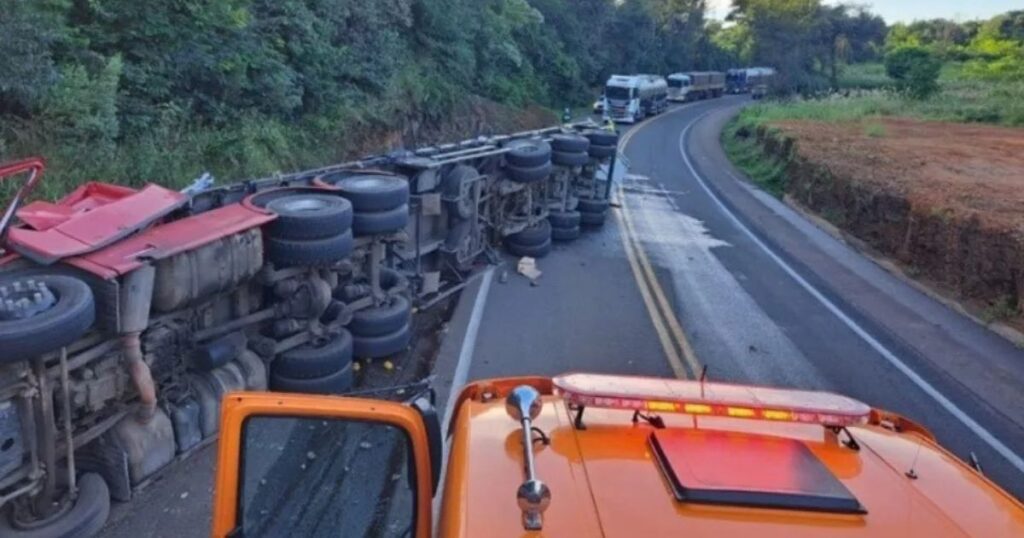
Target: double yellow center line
[674,342]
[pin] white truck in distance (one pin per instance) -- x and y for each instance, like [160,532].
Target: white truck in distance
[696,85]
[631,98]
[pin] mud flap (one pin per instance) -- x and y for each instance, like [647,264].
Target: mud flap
[107,458]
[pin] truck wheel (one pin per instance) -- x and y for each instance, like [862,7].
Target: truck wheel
[83,519]
[570,159]
[310,361]
[565,234]
[382,319]
[338,382]
[601,152]
[529,175]
[373,347]
[309,216]
[602,138]
[40,313]
[313,252]
[525,154]
[459,204]
[532,235]
[372,193]
[569,143]
[564,219]
[533,251]
[593,205]
[381,222]
[593,219]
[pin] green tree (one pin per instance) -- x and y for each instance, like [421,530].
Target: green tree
[915,70]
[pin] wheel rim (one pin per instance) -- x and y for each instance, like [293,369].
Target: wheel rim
[367,182]
[305,205]
[25,299]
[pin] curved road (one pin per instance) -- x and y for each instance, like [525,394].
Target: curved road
[701,269]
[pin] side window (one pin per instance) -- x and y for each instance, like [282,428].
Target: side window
[318,476]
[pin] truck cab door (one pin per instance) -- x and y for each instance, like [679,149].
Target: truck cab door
[304,465]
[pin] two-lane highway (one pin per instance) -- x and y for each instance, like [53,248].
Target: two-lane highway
[700,269]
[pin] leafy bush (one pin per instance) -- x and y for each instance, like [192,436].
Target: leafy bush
[915,70]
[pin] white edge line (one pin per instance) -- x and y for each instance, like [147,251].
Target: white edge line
[921,383]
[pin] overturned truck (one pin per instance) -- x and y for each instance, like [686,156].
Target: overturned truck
[126,313]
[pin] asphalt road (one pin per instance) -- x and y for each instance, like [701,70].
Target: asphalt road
[734,280]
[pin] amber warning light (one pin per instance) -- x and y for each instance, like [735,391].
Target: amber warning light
[713,399]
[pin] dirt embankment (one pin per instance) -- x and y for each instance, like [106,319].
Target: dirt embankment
[945,200]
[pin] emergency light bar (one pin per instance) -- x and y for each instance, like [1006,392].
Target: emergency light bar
[711,399]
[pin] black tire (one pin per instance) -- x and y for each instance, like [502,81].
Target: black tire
[601,152]
[373,193]
[381,222]
[592,205]
[593,219]
[567,143]
[391,279]
[84,519]
[570,159]
[527,154]
[564,219]
[310,361]
[533,251]
[338,382]
[529,175]
[309,216]
[314,252]
[383,319]
[462,206]
[602,138]
[565,234]
[533,235]
[373,347]
[70,316]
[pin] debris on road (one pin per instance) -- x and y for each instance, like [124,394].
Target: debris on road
[528,268]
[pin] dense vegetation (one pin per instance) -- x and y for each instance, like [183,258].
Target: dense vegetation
[147,90]
[932,70]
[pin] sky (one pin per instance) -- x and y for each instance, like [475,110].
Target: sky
[910,10]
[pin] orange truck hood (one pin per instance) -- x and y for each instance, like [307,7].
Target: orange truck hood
[606,481]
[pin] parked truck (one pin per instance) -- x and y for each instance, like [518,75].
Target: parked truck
[126,314]
[696,85]
[631,98]
[745,80]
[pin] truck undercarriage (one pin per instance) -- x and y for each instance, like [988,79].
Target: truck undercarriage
[125,315]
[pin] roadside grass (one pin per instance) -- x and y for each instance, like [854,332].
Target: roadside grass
[747,154]
[867,76]
[961,99]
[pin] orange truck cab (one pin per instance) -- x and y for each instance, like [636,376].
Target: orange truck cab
[582,455]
